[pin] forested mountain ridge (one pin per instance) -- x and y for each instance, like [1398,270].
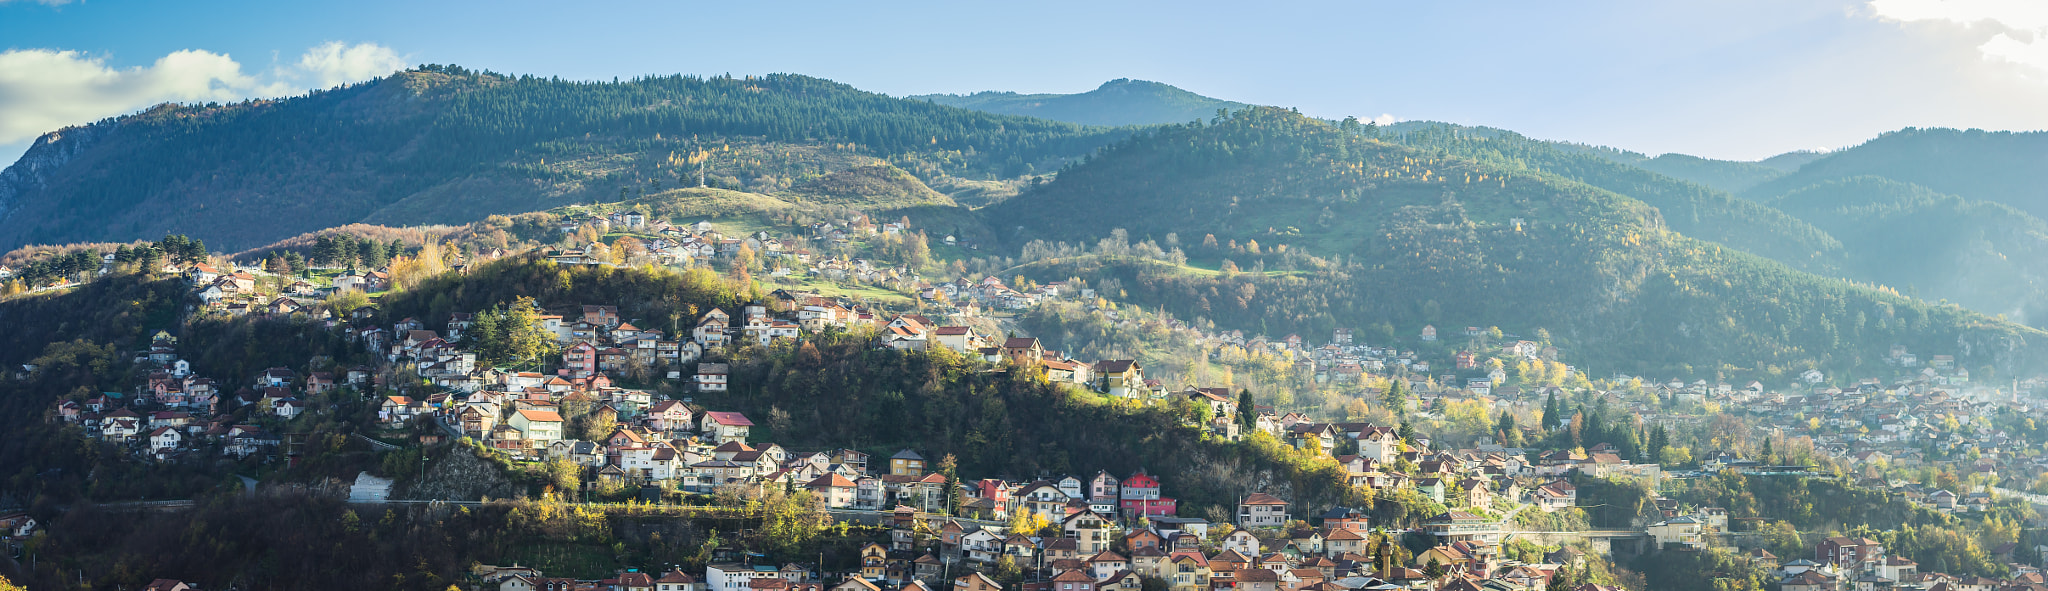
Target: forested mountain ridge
[1117,102]
[1409,237]
[1988,256]
[1997,166]
[441,144]
[1691,208]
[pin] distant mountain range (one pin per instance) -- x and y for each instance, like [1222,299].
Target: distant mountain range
[1667,262]
[448,145]
[1117,102]
[1422,235]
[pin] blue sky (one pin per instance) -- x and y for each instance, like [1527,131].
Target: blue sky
[1739,79]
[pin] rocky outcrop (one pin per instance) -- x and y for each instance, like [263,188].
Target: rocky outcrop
[53,150]
[459,475]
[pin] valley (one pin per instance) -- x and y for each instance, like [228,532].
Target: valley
[460,329]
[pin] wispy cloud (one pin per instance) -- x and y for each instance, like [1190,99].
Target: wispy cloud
[42,2]
[2017,30]
[42,90]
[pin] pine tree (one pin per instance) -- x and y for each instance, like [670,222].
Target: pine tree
[1396,396]
[1550,418]
[1247,413]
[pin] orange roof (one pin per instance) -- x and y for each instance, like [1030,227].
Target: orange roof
[541,416]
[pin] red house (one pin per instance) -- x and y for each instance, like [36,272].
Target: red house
[1140,497]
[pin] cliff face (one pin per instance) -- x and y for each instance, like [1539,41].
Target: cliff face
[53,150]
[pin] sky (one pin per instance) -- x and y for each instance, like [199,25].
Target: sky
[1733,79]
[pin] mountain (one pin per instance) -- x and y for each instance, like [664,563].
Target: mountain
[1730,176]
[441,144]
[1997,166]
[1723,175]
[1986,256]
[1117,102]
[1970,252]
[1411,236]
[1791,161]
[1691,208]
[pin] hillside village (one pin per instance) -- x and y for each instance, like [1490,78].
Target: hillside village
[427,385]
[1100,531]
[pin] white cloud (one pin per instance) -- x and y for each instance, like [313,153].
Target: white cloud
[42,90]
[1384,119]
[43,2]
[2017,29]
[335,63]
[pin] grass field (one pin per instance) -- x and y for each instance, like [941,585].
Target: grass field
[829,288]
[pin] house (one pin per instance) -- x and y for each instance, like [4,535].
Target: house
[1121,377]
[164,439]
[874,562]
[1257,579]
[976,582]
[539,426]
[669,415]
[606,316]
[906,463]
[1261,510]
[1811,580]
[1186,571]
[1843,550]
[1241,542]
[1683,529]
[677,581]
[736,577]
[711,377]
[725,427]
[579,360]
[1555,496]
[832,490]
[1459,526]
[1090,532]
[1023,351]
[1073,580]
[1342,540]
[958,338]
[398,409]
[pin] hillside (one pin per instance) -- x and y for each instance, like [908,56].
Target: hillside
[1987,256]
[1411,237]
[1995,166]
[1691,208]
[1117,102]
[441,144]
[1969,254]
[839,390]
[1727,176]
[875,186]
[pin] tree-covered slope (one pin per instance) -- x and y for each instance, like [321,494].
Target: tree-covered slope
[1727,176]
[1987,256]
[447,145]
[1413,236]
[1693,209]
[1998,166]
[1117,102]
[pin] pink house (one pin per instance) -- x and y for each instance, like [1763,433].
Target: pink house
[579,360]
